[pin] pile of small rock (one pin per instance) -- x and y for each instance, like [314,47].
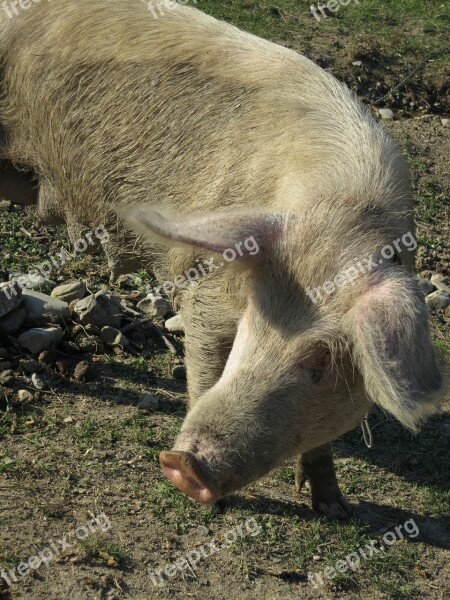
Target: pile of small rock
[64,328]
[437,293]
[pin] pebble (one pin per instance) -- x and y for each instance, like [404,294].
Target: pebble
[175,324]
[91,344]
[39,339]
[113,337]
[155,307]
[437,300]
[386,113]
[99,310]
[74,290]
[148,402]
[42,309]
[441,283]
[63,365]
[25,396]
[6,377]
[38,382]
[47,358]
[83,371]
[179,372]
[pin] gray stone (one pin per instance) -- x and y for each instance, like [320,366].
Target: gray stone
[42,309]
[25,396]
[154,306]
[6,377]
[99,310]
[10,298]
[148,402]
[386,113]
[91,343]
[38,382]
[48,358]
[83,371]
[5,365]
[357,63]
[39,339]
[425,285]
[113,337]
[179,372]
[445,122]
[76,290]
[13,321]
[437,300]
[175,324]
[441,283]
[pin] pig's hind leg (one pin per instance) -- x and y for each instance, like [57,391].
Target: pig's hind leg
[317,467]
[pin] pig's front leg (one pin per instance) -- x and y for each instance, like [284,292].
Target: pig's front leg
[210,321]
[317,467]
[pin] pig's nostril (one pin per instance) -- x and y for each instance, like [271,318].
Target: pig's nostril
[187,475]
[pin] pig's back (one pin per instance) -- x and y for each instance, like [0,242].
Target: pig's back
[108,104]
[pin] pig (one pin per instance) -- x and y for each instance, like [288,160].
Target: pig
[196,143]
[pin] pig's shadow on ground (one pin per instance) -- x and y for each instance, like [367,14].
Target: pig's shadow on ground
[378,518]
[420,459]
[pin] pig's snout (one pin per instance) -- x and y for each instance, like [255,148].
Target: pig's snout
[187,475]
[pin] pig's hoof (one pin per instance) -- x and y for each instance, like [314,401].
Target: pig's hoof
[337,508]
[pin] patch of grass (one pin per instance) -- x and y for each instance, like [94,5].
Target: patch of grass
[108,552]
[8,558]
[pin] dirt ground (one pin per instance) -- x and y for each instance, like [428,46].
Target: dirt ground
[81,460]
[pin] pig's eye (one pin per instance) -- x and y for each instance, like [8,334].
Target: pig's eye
[316,375]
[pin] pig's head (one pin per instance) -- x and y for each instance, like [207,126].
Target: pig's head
[300,373]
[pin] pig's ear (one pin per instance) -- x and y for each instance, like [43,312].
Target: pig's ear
[217,232]
[388,328]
